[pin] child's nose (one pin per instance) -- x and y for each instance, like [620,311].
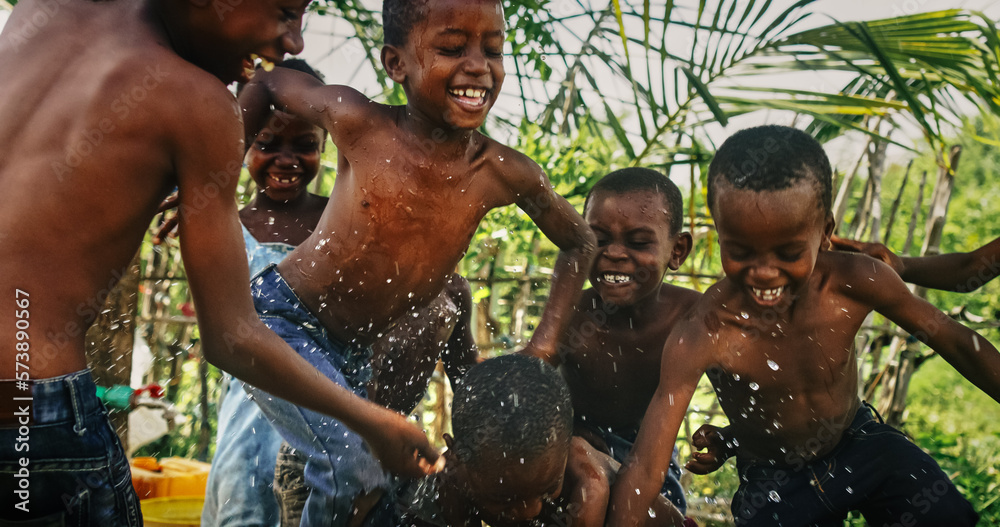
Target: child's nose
[615,251]
[476,62]
[292,40]
[764,271]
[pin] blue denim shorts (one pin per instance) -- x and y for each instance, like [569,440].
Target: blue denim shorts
[77,473]
[339,467]
[874,469]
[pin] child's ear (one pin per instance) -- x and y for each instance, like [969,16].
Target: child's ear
[392,61]
[681,250]
[828,229]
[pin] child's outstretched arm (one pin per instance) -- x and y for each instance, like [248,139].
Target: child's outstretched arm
[337,109]
[233,337]
[685,358]
[564,226]
[959,272]
[968,352]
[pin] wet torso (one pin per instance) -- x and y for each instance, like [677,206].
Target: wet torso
[402,215]
[788,381]
[612,356]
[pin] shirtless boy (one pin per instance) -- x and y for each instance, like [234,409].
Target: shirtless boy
[413,183]
[612,352]
[107,107]
[776,337]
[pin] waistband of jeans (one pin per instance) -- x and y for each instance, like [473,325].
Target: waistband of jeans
[66,398]
[865,413]
[297,310]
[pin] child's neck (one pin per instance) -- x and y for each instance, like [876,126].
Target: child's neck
[444,136]
[634,314]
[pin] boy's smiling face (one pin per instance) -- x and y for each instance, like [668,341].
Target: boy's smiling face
[285,156]
[634,245]
[770,240]
[452,63]
[233,33]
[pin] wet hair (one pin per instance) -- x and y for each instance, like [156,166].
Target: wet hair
[399,17]
[303,66]
[769,158]
[514,406]
[638,179]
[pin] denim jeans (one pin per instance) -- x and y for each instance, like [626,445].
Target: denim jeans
[239,490]
[339,467]
[77,471]
[874,469]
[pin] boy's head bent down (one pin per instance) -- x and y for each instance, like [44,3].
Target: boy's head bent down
[448,57]
[512,418]
[636,216]
[769,189]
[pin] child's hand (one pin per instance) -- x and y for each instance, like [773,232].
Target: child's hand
[717,451]
[403,449]
[875,250]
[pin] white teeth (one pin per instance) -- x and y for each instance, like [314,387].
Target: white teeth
[473,93]
[614,278]
[264,63]
[768,294]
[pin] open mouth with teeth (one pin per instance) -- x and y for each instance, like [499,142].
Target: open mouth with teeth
[283,181]
[768,296]
[615,278]
[251,62]
[473,98]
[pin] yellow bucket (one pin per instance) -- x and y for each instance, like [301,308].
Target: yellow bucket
[173,511]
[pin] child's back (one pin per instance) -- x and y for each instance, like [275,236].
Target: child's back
[776,337]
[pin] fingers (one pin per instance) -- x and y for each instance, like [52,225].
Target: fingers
[843,244]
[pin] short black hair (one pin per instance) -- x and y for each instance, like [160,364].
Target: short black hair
[399,17]
[516,405]
[638,179]
[303,66]
[771,157]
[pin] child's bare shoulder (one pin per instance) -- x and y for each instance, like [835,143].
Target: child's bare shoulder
[859,277]
[517,170]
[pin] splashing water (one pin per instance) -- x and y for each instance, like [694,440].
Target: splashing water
[771,364]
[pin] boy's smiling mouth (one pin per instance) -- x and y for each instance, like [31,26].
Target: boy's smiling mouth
[474,98]
[768,296]
[615,278]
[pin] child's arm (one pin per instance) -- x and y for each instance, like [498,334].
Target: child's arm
[338,109]
[685,357]
[959,272]
[233,337]
[560,222]
[461,352]
[967,351]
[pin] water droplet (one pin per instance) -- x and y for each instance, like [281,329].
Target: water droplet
[771,364]
[736,377]
[754,386]
[773,496]
[744,315]
[652,513]
[849,490]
